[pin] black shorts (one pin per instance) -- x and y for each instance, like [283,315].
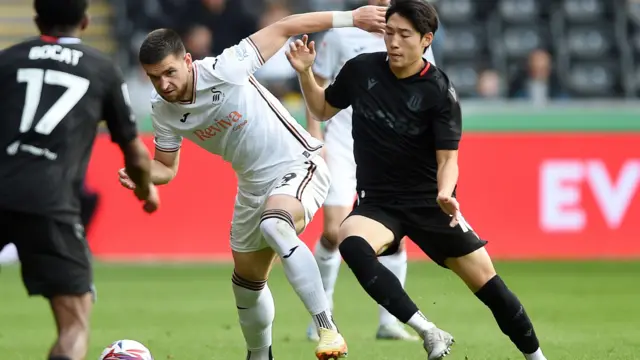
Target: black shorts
[54,256]
[424,223]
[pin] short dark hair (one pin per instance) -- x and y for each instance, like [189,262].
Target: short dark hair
[422,15]
[60,13]
[159,44]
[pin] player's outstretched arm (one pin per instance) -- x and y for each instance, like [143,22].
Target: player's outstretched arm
[313,124]
[273,37]
[322,103]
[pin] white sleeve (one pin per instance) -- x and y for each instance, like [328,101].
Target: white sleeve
[429,55]
[235,65]
[164,138]
[328,56]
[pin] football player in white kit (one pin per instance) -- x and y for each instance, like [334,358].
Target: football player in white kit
[282,181]
[337,47]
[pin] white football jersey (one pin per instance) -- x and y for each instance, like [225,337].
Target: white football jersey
[233,116]
[339,46]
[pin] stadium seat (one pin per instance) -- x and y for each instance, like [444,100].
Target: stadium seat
[594,79]
[515,11]
[464,77]
[519,41]
[464,42]
[584,10]
[456,11]
[590,41]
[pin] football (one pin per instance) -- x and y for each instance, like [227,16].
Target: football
[126,350]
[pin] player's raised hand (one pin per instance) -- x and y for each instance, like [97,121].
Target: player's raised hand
[125,180]
[302,54]
[370,18]
[451,207]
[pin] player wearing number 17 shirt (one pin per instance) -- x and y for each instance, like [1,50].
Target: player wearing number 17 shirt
[282,181]
[407,125]
[54,92]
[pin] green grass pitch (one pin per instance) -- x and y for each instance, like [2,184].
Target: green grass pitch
[582,311]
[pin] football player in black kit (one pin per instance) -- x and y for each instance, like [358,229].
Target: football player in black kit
[406,129]
[54,92]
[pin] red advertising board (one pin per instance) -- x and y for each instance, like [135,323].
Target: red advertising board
[533,196]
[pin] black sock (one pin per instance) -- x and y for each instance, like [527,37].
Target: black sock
[510,314]
[58,358]
[378,281]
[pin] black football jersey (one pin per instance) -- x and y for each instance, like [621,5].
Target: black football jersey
[54,93]
[397,124]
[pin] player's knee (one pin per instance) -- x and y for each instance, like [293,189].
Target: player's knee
[278,229]
[246,291]
[356,251]
[330,239]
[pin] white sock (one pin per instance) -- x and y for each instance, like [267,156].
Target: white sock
[299,265]
[329,264]
[256,312]
[397,264]
[420,323]
[535,356]
[9,254]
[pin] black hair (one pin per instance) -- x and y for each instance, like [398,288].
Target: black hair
[61,15]
[421,14]
[158,45]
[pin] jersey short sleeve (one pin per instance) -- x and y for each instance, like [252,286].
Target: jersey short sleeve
[328,56]
[338,94]
[236,64]
[164,138]
[448,121]
[116,111]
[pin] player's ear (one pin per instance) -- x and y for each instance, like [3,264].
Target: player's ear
[85,22]
[188,60]
[427,39]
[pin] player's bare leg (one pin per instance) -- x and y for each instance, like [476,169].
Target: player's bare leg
[256,309]
[281,222]
[363,240]
[71,313]
[477,271]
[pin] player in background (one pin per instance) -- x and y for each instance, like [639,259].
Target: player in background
[55,91]
[407,126]
[282,181]
[339,46]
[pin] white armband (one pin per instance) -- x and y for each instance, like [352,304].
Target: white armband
[342,19]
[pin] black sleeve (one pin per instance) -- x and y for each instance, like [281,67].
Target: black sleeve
[338,93]
[116,110]
[447,120]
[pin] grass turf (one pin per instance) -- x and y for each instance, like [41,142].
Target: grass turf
[582,311]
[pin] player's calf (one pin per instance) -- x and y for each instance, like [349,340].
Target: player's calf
[279,230]
[256,311]
[477,271]
[71,313]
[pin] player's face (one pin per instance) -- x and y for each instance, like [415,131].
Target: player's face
[170,77]
[405,46]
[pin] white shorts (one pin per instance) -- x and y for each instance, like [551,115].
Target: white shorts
[308,181]
[342,167]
